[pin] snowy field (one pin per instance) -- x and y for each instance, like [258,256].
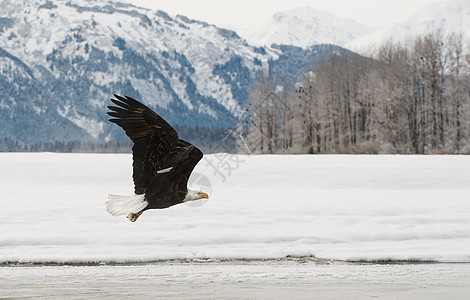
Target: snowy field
[351,208]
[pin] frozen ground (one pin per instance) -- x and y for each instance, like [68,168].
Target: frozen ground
[355,208]
[322,208]
[286,279]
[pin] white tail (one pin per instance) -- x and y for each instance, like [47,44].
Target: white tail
[119,205]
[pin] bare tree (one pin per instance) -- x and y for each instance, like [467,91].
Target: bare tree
[413,97]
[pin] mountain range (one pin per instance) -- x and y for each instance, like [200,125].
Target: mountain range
[304,27]
[60,62]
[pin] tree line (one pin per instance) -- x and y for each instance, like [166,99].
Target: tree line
[208,140]
[410,98]
[113,146]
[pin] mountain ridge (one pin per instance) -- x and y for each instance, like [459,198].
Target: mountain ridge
[78,54]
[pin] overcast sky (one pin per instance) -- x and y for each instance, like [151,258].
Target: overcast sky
[236,13]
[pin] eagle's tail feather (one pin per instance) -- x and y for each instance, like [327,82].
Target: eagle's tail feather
[119,205]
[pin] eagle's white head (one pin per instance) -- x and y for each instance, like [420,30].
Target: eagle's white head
[195,195]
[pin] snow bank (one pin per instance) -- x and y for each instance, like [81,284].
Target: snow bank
[334,207]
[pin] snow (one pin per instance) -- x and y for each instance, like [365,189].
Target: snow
[446,17]
[52,209]
[303,27]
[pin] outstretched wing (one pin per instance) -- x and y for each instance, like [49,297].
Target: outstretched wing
[173,176]
[153,138]
[189,156]
[183,159]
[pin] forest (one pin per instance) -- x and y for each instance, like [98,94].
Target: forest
[401,98]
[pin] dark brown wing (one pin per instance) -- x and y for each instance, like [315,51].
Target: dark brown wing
[189,156]
[153,138]
[169,186]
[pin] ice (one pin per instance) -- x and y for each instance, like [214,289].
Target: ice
[52,209]
[284,279]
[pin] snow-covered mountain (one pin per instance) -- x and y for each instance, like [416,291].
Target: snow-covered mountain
[60,61]
[303,27]
[451,16]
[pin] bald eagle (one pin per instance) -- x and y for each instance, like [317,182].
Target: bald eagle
[162,162]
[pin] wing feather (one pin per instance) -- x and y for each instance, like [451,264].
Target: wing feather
[182,160]
[153,138]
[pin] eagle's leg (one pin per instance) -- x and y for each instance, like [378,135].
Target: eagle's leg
[133,217]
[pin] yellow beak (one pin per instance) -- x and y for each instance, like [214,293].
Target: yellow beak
[204,195]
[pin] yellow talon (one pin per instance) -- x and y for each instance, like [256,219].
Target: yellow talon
[133,217]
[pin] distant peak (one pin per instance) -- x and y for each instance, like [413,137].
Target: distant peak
[447,17]
[304,27]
